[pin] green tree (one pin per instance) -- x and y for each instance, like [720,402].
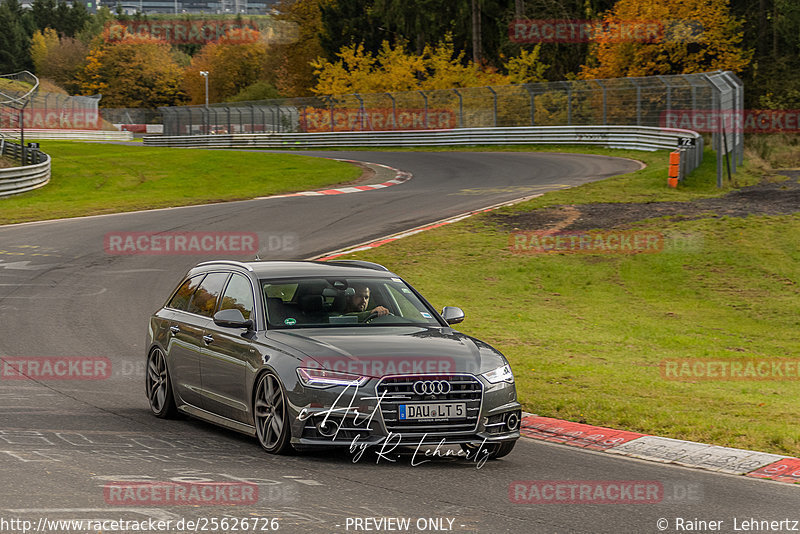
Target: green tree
[14,38]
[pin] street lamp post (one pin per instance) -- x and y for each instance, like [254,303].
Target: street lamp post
[204,74]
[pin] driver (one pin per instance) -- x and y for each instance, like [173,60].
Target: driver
[357,304]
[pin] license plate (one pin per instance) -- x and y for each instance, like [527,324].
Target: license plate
[440,411]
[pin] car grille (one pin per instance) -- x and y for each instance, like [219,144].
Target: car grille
[399,390]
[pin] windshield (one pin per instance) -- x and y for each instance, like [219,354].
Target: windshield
[331,302]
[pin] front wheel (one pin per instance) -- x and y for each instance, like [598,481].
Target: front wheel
[271,415]
[495,450]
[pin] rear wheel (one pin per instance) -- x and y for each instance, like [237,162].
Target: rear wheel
[270,411]
[159,386]
[495,450]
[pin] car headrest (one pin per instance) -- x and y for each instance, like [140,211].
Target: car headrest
[312,303]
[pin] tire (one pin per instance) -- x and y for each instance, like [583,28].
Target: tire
[270,415]
[159,386]
[497,450]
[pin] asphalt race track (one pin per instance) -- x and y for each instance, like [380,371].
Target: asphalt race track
[62,442]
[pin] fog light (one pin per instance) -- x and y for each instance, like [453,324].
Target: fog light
[327,428]
[512,422]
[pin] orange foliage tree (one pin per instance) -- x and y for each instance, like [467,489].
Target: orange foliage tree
[233,63]
[695,36]
[289,59]
[132,71]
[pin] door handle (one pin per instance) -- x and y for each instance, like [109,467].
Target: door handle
[174,330]
[208,339]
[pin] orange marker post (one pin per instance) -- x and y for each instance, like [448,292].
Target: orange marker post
[674,168]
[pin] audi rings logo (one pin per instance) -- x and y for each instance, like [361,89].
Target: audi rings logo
[431,387]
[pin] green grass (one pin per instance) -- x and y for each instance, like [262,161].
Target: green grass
[586,334]
[93,178]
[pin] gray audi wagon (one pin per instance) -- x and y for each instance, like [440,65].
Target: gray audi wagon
[315,354]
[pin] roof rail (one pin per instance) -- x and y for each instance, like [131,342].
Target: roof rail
[227,262]
[359,263]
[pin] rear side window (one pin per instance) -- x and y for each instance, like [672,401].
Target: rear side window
[239,296]
[204,300]
[180,301]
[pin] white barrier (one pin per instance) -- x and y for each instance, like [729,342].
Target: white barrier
[630,137]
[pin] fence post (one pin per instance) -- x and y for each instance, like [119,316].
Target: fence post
[394,110]
[533,103]
[460,108]
[361,110]
[494,107]
[425,97]
[22,132]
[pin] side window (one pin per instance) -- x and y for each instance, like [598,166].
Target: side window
[239,296]
[180,301]
[204,301]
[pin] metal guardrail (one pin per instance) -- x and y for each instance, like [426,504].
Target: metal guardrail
[630,137]
[78,135]
[35,174]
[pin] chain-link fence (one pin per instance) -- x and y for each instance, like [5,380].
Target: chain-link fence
[24,107]
[678,101]
[16,92]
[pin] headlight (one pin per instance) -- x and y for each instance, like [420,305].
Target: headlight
[501,374]
[323,378]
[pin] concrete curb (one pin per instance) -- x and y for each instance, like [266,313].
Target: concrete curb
[665,450]
[394,237]
[400,177]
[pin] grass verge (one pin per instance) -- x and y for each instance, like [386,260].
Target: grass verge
[587,334]
[94,178]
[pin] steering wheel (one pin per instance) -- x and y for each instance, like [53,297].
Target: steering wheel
[373,315]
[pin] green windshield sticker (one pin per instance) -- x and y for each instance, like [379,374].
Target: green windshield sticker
[290,321]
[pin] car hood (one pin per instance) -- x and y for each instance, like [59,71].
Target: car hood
[379,351]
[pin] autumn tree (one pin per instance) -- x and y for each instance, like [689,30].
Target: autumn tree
[394,69]
[697,36]
[233,63]
[133,71]
[288,63]
[60,59]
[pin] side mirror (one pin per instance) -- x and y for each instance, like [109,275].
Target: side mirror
[232,318]
[452,315]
